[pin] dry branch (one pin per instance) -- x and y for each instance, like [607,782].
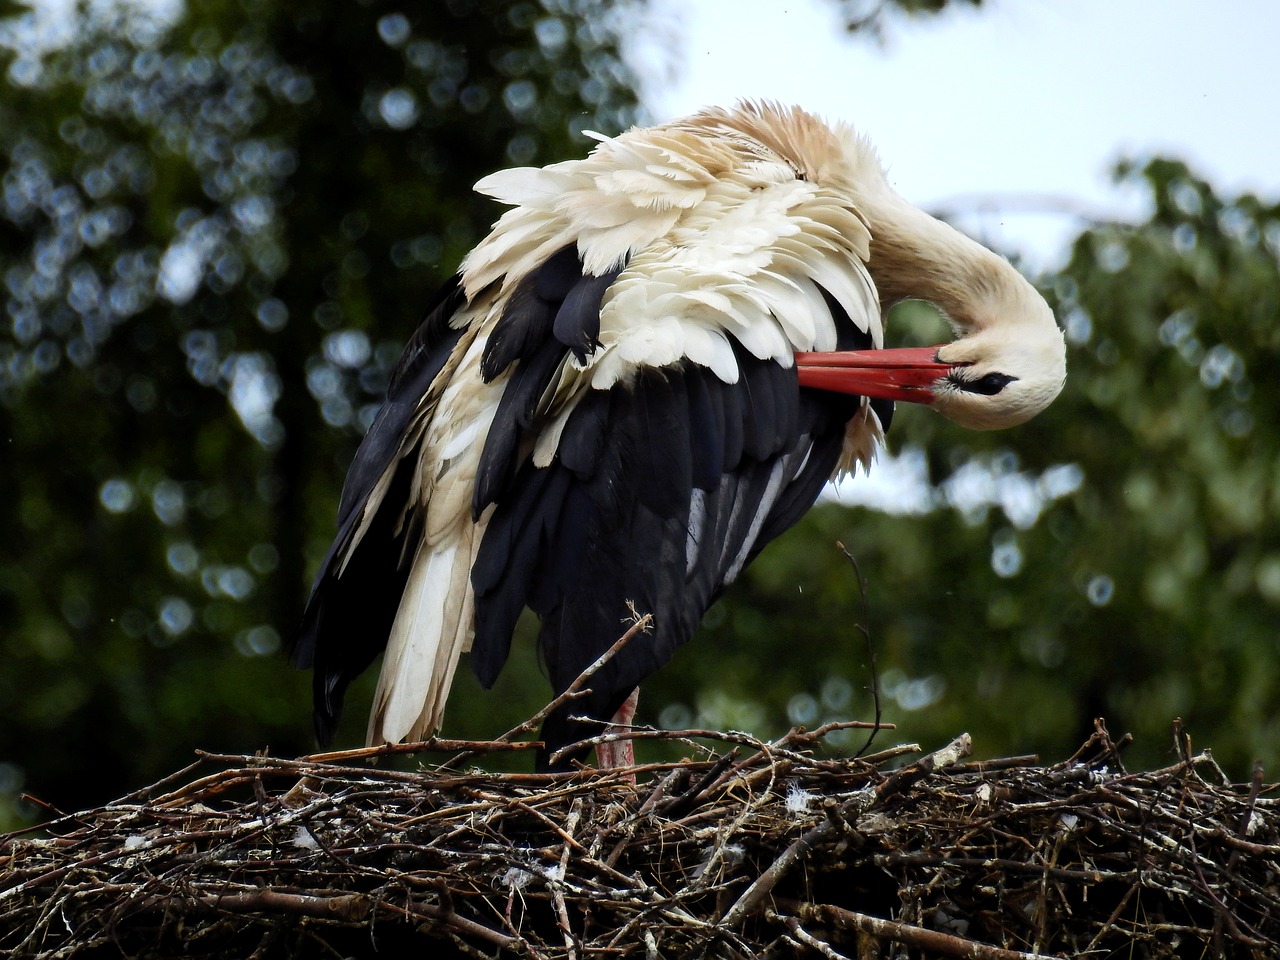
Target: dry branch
[762,850]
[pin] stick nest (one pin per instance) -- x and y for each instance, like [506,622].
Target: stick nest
[748,849]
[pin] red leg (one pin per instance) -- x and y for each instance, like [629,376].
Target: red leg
[619,753]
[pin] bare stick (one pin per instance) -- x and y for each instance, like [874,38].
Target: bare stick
[871,652]
[808,939]
[755,894]
[432,745]
[905,933]
[575,689]
[557,887]
[900,780]
[571,692]
[1242,828]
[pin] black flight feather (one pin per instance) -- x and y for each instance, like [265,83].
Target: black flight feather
[348,618]
[425,356]
[555,307]
[577,323]
[631,526]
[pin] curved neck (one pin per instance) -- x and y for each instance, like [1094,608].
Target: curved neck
[917,257]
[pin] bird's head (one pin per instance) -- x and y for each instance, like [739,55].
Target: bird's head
[1000,377]
[1007,359]
[993,376]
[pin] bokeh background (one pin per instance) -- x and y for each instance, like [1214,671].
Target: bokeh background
[219,222]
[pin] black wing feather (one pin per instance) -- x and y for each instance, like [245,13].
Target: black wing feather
[424,357]
[512,423]
[577,323]
[554,307]
[529,315]
[633,528]
[348,618]
[659,454]
[706,430]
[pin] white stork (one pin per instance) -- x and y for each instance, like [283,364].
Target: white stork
[642,375]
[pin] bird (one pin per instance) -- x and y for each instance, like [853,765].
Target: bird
[645,372]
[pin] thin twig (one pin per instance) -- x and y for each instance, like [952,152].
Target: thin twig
[861,627]
[432,745]
[571,692]
[575,689]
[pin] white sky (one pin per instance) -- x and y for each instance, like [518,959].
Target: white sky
[1028,102]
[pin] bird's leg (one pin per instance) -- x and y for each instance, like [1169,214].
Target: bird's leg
[619,753]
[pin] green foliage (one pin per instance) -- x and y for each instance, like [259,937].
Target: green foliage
[872,16]
[215,237]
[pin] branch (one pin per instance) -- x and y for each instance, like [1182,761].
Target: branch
[571,692]
[904,933]
[575,689]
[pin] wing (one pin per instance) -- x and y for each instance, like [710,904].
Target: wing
[357,591]
[397,575]
[661,490]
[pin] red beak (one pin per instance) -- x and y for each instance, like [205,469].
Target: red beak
[907,373]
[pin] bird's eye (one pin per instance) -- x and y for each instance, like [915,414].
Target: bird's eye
[988,386]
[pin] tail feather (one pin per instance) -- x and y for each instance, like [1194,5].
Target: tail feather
[433,626]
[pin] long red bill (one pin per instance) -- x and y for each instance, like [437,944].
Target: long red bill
[905,373]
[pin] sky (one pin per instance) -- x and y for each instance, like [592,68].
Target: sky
[1012,114]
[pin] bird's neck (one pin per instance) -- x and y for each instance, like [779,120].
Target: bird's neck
[917,257]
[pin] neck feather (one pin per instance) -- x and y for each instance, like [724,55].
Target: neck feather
[917,257]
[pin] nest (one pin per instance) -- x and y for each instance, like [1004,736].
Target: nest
[747,849]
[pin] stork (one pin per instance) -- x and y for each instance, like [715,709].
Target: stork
[646,372]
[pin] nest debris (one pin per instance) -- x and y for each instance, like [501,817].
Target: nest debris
[748,849]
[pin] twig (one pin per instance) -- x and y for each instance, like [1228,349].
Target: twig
[1246,816]
[905,778]
[571,692]
[432,745]
[575,689]
[904,933]
[871,652]
[804,937]
[461,924]
[763,886]
[348,906]
[557,889]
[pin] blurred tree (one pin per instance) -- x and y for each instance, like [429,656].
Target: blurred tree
[216,235]
[872,17]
